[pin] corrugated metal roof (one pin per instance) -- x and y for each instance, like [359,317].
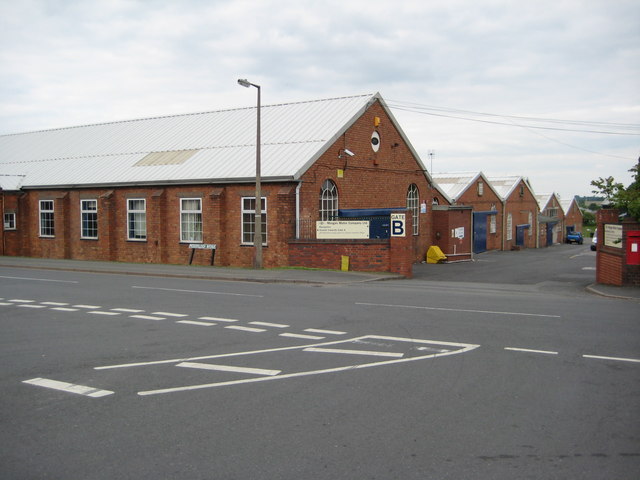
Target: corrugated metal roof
[505,185]
[454,184]
[223,145]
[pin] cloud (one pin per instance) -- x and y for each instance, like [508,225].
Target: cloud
[77,62]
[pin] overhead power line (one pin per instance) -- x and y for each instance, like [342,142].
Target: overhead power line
[604,128]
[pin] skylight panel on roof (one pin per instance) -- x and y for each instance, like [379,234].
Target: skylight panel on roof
[166,158]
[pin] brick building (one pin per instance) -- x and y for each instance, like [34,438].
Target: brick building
[551,219]
[573,218]
[519,211]
[145,190]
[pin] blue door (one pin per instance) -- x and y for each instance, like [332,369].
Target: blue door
[520,234]
[550,233]
[480,232]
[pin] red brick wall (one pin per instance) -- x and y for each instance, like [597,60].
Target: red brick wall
[371,179]
[573,217]
[364,255]
[611,262]
[519,206]
[446,220]
[483,203]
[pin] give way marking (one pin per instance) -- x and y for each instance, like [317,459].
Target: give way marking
[335,356]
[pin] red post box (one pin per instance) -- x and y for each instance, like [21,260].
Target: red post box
[633,247]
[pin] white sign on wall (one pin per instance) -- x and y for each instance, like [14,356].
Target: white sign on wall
[613,235]
[342,230]
[397,225]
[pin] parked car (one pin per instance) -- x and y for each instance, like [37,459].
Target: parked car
[575,237]
[594,240]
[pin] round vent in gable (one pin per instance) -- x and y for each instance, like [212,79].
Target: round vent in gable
[375,141]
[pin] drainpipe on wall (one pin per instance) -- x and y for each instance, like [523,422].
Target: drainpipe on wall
[504,224]
[298,210]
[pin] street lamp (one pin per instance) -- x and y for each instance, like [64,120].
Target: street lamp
[257,237]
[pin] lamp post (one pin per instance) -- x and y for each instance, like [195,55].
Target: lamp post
[257,236]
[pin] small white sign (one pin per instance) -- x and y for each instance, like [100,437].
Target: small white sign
[342,230]
[613,235]
[459,233]
[203,246]
[397,224]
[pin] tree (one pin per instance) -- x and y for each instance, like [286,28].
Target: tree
[627,200]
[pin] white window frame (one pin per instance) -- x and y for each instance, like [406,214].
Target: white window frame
[89,216]
[413,205]
[47,219]
[247,234]
[9,221]
[191,217]
[509,227]
[480,188]
[136,220]
[492,223]
[530,223]
[328,200]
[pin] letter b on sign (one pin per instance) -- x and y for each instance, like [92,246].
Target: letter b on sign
[397,225]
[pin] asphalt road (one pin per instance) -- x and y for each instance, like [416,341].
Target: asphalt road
[502,368]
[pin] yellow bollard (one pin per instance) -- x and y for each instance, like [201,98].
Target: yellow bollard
[345,263]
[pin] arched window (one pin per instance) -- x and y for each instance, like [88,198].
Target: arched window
[328,201]
[413,206]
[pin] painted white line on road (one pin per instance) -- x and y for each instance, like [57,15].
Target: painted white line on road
[28,305]
[194,322]
[327,332]
[463,349]
[457,310]
[245,329]
[167,314]
[267,324]
[68,387]
[199,291]
[619,359]
[146,317]
[65,309]
[127,310]
[299,335]
[515,349]
[6,303]
[229,368]
[588,268]
[218,319]
[54,304]
[19,300]
[88,307]
[38,279]
[100,312]
[354,352]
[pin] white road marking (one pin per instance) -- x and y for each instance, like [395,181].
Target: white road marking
[218,319]
[88,307]
[530,350]
[68,387]
[65,309]
[54,304]
[463,348]
[229,368]
[28,305]
[299,335]
[146,317]
[194,322]
[39,279]
[167,314]
[199,291]
[127,310]
[6,303]
[328,332]
[19,300]
[619,359]
[245,329]
[267,324]
[353,352]
[100,312]
[457,310]
[588,268]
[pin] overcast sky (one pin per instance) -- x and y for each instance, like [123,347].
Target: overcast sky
[458,74]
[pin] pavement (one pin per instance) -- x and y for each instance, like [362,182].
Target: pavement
[266,275]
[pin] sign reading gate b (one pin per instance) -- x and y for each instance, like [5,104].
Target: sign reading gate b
[397,224]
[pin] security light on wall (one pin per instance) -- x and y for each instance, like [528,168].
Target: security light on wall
[349,152]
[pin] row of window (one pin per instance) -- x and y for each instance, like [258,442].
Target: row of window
[190,219]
